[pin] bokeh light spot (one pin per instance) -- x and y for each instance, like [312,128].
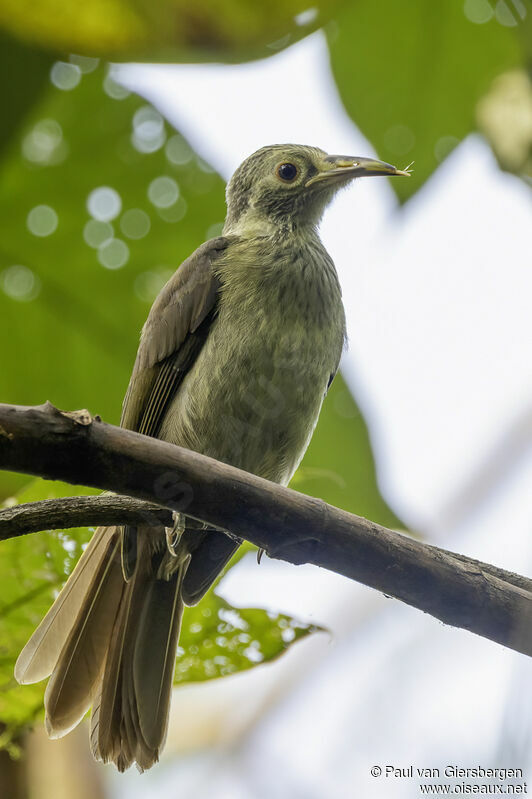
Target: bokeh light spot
[85,63]
[288,635]
[148,284]
[65,76]
[104,203]
[44,143]
[163,191]
[399,139]
[114,89]
[114,254]
[20,283]
[444,145]
[175,213]
[178,151]
[42,220]
[148,134]
[508,16]
[97,233]
[478,11]
[306,17]
[253,652]
[135,223]
[215,230]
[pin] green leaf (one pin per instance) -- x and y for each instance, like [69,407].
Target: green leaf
[168,30]
[218,639]
[410,78]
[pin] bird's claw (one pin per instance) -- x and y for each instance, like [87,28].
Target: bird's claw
[174,533]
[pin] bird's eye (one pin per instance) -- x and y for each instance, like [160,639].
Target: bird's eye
[287,172]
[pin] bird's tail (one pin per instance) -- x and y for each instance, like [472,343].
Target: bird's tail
[110,644]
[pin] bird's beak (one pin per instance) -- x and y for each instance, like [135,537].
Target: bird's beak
[341,167]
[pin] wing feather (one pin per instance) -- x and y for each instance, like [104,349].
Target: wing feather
[182,306]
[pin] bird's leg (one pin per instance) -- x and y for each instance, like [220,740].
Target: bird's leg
[174,533]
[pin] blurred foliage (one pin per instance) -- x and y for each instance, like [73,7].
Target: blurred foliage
[216,639]
[167,30]
[20,88]
[410,75]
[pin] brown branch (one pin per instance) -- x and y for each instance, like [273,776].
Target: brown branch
[79,449]
[65,512]
[109,509]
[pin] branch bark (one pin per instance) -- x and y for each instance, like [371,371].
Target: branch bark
[80,449]
[65,512]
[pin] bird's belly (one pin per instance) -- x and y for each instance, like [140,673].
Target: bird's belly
[253,404]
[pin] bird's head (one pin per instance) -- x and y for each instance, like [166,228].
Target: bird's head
[289,186]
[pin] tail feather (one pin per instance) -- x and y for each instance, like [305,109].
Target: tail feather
[71,687]
[108,706]
[154,655]
[114,731]
[38,658]
[112,643]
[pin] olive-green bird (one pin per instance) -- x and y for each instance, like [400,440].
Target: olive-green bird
[234,361]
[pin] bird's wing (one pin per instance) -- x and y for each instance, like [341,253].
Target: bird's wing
[171,339]
[175,331]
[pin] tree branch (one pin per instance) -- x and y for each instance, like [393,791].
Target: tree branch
[112,509]
[80,449]
[65,512]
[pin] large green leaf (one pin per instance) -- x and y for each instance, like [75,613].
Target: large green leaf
[410,76]
[165,30]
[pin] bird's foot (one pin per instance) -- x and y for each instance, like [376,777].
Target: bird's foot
[174,533]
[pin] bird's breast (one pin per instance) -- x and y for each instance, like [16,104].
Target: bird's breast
[253,396]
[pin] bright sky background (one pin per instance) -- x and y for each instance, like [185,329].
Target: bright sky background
[438,299]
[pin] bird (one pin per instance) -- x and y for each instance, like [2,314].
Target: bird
[234,361]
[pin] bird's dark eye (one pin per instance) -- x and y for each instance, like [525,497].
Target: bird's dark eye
[287,172]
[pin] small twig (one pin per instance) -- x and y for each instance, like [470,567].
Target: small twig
[66,512]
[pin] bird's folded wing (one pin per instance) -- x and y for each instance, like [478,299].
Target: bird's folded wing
[171,339]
